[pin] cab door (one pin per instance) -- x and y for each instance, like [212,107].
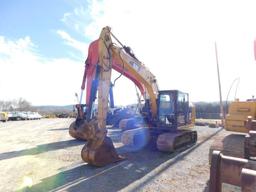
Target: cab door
[182,112]
[166,108]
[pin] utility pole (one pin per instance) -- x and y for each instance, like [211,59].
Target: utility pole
[222,115]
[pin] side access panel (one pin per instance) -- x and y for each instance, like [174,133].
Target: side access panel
[237,115]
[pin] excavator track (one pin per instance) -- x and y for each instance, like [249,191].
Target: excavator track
[155,138]
[169,142]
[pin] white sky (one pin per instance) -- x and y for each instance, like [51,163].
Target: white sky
[175,40]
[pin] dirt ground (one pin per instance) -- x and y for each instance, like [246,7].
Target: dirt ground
[40,155]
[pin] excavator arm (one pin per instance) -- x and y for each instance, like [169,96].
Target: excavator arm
[139,74]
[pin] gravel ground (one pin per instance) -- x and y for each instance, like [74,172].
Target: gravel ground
[41,156]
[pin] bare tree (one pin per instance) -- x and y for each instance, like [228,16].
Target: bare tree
[1,105]
[7,105]
[23,105]
[12,105]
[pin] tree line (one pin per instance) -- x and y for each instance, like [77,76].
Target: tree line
[205,110]
[209,110]
[20,104]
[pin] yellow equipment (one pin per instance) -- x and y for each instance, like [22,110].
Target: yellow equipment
[233,155]
[237,115]
[3,116]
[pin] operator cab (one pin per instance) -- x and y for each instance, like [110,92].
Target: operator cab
[173,108]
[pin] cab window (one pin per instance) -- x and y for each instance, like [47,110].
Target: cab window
[182,102]
[166,105]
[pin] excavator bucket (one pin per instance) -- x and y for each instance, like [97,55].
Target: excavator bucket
[102,155]
[74,131]
[94,153]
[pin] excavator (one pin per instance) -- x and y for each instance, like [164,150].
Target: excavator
[166,114]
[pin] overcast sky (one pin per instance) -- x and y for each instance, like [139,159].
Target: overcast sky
[43,46]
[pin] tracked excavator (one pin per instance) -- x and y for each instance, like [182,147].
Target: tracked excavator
[166,114]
